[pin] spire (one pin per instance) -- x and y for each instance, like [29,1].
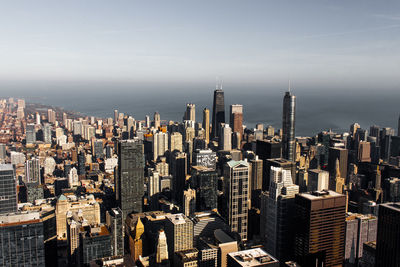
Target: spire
[289,87]
[139,229]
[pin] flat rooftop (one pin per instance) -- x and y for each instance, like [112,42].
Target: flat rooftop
[320,195]
[252,257]
[6,167]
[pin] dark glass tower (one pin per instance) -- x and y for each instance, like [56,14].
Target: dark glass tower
[130,180]
[388,238]
[288,127]
[8,194]
[218,116]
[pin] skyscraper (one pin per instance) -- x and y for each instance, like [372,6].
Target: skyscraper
[288,127]
[236,119]
[190,113]
[30,133]
[278,210]
[32,171]
[157,120]
[225,141]
[178,172]
[218,116]
[320,228]
[387,242]
[8,187]
[130,180]
[206,124]
[160,144]
[162,247]
[114,222]
[236,194]
[47,133]
[179,231]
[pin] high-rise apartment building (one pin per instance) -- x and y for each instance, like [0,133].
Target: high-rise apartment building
[47,133]
[236,196]
[130,179]
[218,115]
[320,228]
[288,127]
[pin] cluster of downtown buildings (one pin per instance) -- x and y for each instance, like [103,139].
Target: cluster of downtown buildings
[85,191]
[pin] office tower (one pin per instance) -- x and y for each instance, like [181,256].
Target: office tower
[387,242]
[114,222]
[81,164]
[256,179]
[270,131]
[359,230]
[73,178]
[236,194]
[342,155]
[236,118]
[8,187]
[115,116]
[97,147]
[162,248]
[186,258]
[337,182]
[218,115]
[17,158]
[205,181]
[178,172]
[318,180]
[154,182]
[277,219]
[138,240]
[364,152]
[32,171]
[47,133]
[157,120]
[206,158]
[189,201]
[385,143]
[94,243]
[206,124]
[162,167]
[64,118]
[320,228]
[3,151]
[30,133]
[130,180]
[251,257]
[288,127]
[175,142]
[22,240]
[190,134]
[268,149]
[278,162]
[160,144]
[20,113]
[225,142]
[190,113]
[179,232]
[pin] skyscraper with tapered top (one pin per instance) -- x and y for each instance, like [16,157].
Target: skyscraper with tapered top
[288,126]
[218,116]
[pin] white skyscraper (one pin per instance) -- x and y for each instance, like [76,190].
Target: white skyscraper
[160,144]
[226,138]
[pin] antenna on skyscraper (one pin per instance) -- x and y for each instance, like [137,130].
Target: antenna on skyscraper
[289,85]
[218,81]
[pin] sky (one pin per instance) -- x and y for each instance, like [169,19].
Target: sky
[316,44]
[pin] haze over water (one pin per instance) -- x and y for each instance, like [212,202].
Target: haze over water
[315,111]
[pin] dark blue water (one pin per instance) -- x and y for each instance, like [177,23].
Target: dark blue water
[316,110]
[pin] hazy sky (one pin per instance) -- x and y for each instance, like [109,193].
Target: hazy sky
[346,44]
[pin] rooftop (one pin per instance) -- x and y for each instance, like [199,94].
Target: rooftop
[252,257]
[320,194]
[6,167]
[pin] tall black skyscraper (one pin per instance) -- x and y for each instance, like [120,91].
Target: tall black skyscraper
[388,237]
[130,180]
[288,127]
[218,116]
[8,194]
